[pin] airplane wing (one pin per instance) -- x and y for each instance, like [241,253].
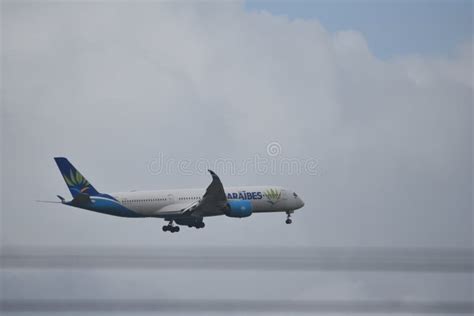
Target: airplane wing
[177,209]
[213,202]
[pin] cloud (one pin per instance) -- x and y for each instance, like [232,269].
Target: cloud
[116,84]
[113,85]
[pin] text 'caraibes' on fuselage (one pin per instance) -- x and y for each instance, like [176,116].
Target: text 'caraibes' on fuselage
[186,207]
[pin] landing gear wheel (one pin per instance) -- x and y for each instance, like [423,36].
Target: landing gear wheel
[288,218]
[288,221]
[170,227]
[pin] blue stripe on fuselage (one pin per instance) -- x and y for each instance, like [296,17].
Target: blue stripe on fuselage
[106,204]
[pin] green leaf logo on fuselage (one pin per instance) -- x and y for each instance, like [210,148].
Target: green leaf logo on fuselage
[273,196]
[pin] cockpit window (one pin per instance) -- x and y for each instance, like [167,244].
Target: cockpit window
[295,195]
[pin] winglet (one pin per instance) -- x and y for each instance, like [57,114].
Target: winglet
[215,188]
[213,174]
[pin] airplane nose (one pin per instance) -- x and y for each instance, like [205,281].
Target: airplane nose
[300,203]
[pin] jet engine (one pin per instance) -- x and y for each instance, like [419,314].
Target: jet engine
[238,208]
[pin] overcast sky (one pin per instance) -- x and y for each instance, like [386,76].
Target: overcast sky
[391,28]
[112,86]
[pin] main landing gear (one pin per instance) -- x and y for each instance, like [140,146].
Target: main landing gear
[288,217]
[198,225]
[171,228]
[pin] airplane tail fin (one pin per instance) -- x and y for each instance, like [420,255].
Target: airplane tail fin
[75,181]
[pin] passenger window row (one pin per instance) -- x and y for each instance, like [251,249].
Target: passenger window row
[188,198]
[159,199]
[144,200]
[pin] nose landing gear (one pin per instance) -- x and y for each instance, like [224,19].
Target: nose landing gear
[171,228]
[288,217]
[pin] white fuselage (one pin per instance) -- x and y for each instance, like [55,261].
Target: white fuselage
[157,203]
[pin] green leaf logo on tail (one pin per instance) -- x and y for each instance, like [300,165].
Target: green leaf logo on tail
[273,196]
[76,181]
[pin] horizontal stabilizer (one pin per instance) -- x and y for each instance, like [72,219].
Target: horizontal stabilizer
[55,202]
[81,199]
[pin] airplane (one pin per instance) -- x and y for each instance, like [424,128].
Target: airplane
[185,207]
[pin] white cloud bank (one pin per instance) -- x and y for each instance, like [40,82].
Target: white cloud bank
[112,85]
